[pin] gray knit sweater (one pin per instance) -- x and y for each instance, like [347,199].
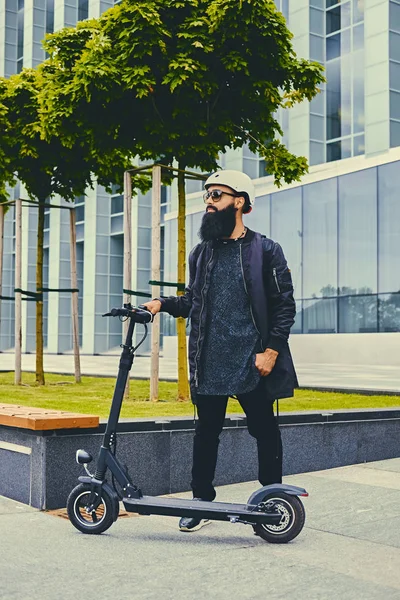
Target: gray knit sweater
[231,339]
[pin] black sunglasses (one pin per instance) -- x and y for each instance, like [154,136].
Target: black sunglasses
[216,195]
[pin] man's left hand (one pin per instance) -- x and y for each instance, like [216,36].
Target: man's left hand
[265,361]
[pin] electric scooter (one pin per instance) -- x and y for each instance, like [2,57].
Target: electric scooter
[275,512]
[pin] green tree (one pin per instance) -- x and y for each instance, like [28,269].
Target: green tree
[48,167]
[6,154]
[181,81]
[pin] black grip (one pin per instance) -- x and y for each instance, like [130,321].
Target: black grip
[142,315]
[139,315]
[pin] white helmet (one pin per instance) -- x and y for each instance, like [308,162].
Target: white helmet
[238,181]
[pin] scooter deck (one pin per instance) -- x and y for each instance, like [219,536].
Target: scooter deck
[216,511]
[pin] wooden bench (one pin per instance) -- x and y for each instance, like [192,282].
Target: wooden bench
[40,419]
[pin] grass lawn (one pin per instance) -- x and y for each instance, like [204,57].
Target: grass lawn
[94,394]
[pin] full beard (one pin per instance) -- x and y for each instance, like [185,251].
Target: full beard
[218,223]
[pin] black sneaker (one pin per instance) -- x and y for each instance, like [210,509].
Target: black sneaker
[192,523]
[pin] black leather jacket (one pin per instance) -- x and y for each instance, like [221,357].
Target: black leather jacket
[268,284]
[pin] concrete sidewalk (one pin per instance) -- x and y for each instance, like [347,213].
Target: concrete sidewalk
[318,376]
[349,549]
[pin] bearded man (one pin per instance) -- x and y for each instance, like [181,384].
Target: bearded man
[241,308]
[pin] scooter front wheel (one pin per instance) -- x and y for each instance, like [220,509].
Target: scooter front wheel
[90,519]
[292,520]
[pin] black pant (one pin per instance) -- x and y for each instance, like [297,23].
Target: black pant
[261,424]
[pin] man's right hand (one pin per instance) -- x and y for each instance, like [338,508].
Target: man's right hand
[154,306]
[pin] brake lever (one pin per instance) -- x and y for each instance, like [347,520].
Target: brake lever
[143,307]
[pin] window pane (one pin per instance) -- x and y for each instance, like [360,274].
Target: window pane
[389,312]
[358,93]
[389,227]
[395,105]
[394,16]
[358,10]
[333,20]
[258,219]
[346,15]
[394,75]
[346,148]
[333,151]
[320,239]
[317,105]
[333,93]
[394,46]
[83,10]
[358,38]
[117,224]
[286,230]
[297,326]
[319,316]
[317,48]
[316,21]
[117,205]
[345,43]
[333,46]
[394,134]
[345,101]
[358,314]
[317,153]
[317,126]
[80,213]
[250,167]
[358,232]
[359,145]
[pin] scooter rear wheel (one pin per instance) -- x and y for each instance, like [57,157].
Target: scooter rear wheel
[292,521]
[93,521]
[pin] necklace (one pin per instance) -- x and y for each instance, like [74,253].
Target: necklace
[236,239]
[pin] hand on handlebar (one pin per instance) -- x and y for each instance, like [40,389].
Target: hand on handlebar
[154,306]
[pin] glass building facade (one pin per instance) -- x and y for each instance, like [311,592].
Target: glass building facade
[341,238]
[339,228]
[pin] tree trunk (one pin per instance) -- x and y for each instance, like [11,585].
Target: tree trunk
[2,212]
[74,296]
[39,303]
[127,281]
[183,385]
[155,276]
[17,285]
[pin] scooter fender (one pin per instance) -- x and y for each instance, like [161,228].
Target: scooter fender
[110,491]
[276,488]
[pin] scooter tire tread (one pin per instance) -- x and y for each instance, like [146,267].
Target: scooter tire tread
[103,524]
[294,531]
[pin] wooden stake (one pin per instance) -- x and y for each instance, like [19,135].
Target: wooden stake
[74,297]
[183,383]
[127,251]
[18,280]
[1,252]
[155,276]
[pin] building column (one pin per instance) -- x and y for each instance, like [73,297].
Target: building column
[377,99]
[59,15]
[299,115]
[97,7]
[8,306]
[13,32]
[28,276]
[54,275]
[59,329]
[89,271]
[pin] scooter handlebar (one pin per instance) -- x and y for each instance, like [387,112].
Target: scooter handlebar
[139,315]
